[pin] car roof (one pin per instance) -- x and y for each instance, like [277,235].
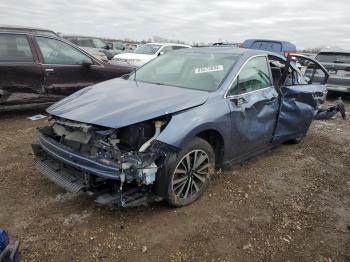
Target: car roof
[81,36]
[23,27]
[268,40]
[153,43]
[15,28]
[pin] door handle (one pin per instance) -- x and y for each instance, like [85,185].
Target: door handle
[239,101]
[49,70]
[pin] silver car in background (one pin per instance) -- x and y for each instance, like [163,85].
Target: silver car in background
[337,63]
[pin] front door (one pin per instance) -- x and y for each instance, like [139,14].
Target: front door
[253,102]
[21,77]
[300,98]
[66,69]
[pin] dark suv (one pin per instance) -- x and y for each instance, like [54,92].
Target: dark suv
[276,46]
[41,69]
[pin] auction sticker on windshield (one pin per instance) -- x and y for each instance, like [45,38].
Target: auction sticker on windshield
[208,69]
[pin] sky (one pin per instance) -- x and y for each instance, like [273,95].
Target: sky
[306,23]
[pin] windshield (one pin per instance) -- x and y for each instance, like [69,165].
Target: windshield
[202,71]
[334,58]
[99,43]
[147,49]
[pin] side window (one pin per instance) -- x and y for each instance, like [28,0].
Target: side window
[57,52]
[72,40]
[84,42]
[15,48]
[177,47]
[253,76]
[166,49]
[98,43]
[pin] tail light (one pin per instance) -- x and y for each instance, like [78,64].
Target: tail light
[286,53]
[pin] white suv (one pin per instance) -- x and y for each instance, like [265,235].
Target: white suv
[145,53]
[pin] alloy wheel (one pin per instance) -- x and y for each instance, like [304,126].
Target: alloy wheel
[191,174]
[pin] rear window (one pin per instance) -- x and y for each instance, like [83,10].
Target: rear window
[342,58]
[42,32]
[84,42]
[268,46]
[176,47]
[15,48]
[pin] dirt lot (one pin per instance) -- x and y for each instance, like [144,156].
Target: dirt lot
[291,204]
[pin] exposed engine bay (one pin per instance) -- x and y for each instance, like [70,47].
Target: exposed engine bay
[132,151]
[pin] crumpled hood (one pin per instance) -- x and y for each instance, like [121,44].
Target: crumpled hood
[118,102]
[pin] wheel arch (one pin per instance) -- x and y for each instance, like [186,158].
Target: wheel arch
[216,140]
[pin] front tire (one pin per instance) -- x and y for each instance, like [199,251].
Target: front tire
[188,172]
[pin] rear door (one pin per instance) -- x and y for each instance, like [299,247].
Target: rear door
[21,77]
[63,67]
[300,97]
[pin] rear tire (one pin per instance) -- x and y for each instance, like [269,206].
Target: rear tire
[295,140]
[186,174]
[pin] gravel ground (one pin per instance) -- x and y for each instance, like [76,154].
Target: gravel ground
[290,204]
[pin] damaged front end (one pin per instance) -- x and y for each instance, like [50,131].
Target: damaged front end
[115,165]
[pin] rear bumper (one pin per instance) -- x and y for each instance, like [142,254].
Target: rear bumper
[64,155]
[338,88]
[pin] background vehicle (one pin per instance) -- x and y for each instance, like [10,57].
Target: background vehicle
[146,53]
[40,69]
[280,47]
[193,109]
[337,62]
[94,46]
[117,47]
[225,44]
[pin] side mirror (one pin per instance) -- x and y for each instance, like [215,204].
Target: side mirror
[87,63]
[109,46]
[161,53]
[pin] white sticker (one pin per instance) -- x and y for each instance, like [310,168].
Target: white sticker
[202,70]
